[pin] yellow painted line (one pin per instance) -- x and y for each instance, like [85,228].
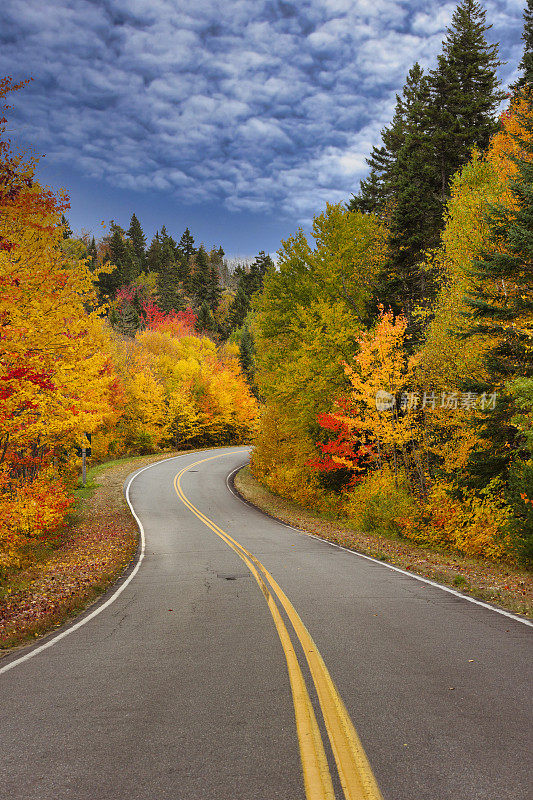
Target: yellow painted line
[355,773]
[317,778]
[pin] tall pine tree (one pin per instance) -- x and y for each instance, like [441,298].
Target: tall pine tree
[465,93]
[92,254]
[438,120]
[138,242]
[526,64]
[120,254]
[169,288]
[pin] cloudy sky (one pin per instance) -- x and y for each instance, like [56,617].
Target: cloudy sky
[238,118]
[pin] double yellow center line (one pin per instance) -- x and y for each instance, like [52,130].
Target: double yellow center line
[355,774]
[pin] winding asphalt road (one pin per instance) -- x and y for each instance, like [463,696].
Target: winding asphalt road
[196,678]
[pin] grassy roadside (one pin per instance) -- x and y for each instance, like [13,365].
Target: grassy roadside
[86,558]
[506,586]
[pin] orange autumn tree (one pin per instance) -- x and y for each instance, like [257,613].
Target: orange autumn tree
[55,375]
[379,418]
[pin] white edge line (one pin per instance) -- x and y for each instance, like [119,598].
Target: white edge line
[116,594]
[383,563]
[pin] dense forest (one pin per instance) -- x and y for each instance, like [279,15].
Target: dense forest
[383,368]
[394,348]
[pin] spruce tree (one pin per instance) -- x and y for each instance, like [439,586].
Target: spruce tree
[169,288]
[246,354]
[153,254]
[186,245]
[67,232]
[438,120]
[138,242]
[465,93]
[259,267]
[377,193]
[92,255]
[239,307]
[214,289]
[205,322]
[121,255]
[249,281]
[200,277]
[526,64]
[414,216]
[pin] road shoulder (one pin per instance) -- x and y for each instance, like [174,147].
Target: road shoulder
[502,585]
[93,553]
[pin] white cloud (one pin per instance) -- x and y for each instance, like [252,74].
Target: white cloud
[260,105]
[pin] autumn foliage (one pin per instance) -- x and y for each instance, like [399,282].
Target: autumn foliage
[398,433]
[65,374]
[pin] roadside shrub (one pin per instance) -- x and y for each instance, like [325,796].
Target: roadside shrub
[382,505]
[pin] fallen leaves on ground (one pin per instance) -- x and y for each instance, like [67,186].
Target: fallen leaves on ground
[92,555]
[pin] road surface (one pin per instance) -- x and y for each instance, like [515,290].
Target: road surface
[242,660]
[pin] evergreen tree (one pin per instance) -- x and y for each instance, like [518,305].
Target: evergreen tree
[169,288]
[138,242]
[414,209]
[465,93]
[249,281]
[67,232]
[239,308]
[259,267]
[438,120]
[526,64]
[377,193]
[185,252]
[121,255]
[246,354]
[371,197]
[205,322]
[153,254]
[125,319]
[186,245]
[214,289]
[92,255]
[200,277]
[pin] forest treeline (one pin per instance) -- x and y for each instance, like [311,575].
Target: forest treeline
[394,346]
[137,347]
